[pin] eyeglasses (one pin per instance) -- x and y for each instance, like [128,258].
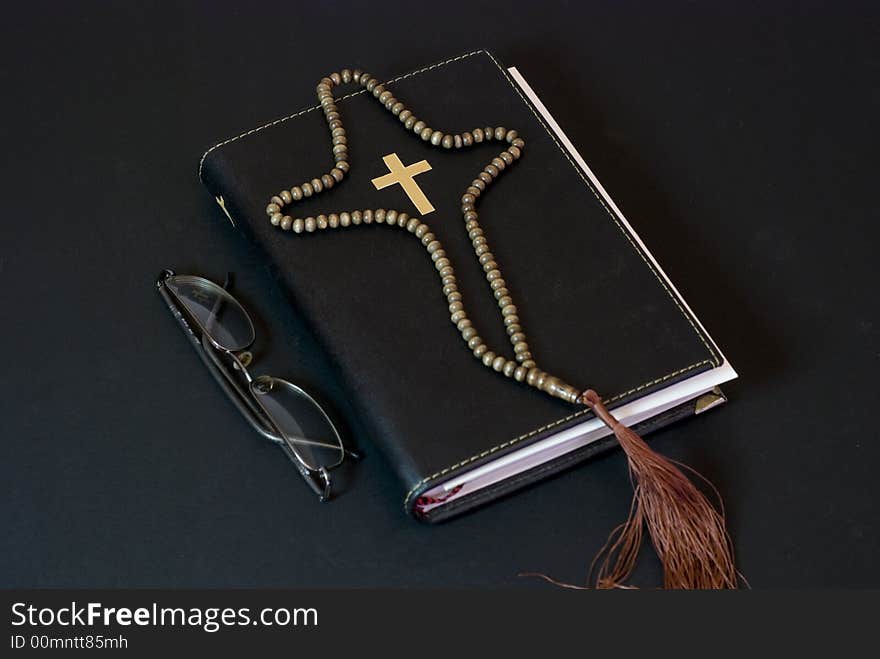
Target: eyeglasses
[222,332]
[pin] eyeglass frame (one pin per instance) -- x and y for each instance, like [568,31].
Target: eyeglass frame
[245,401]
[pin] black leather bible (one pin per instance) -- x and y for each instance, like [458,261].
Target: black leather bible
[598,310]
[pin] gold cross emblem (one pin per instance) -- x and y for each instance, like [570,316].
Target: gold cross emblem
[404,176]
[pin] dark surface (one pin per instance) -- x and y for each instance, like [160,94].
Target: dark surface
[740,142]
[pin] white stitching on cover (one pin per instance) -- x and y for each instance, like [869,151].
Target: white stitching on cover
[318,107]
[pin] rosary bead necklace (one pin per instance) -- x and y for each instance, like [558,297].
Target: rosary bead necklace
[687,532]
[522,367]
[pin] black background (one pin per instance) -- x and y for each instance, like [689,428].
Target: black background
[738,138]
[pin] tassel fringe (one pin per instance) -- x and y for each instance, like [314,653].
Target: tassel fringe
[688,534]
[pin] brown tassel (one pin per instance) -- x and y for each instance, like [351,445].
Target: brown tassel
[688,533]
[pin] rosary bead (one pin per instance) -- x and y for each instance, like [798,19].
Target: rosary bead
[468,333]
[397,108]
[343,166]
[463,324]
[467,139]
[518,143]
[498,363]
[480,350]
[458,315]
[528,364]
[488,133]
[500,133]
[278,201]
[427,238]
[286,222]
[356,75]
[419,126]
[519,337]
[442,263]
[332,220]
[520,348]
[413,224]
[455,307]
[404,114]
[327,181]
[474,342]
[446,270]
[296,193]
[321,221]
[509,367]
[340,148]
[310,224]
[470,216]
[378,90]
[336,78]
[337,175]
[478,135]
[344,219]
[491,170]
[508,310]
[512,135]
[457,141]
[511,319]
[474,233]
[481,249]
[487,258]
[532,376]
[426,133]
[436,137]
[271,209]
[453,297]
[447,141]
[492,275]
[285,196]
[339,139]
[298,225]
[472,190]
[307,189]
[391,217]
[433,246]
[275,219]
[514,152]
[384,96]
[450,289]
[317,186]
[488,357]
[410,122]
[379,215]
[485,177]
[499,164]
[513,328]
[449,280]
[489,266]
[346,75]
[371,84]
[520,373]
[356,217]
[402,219]
[506,158]
[468,198]
[501,292]
[368,216]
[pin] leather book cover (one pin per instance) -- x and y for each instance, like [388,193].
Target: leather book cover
[595,307]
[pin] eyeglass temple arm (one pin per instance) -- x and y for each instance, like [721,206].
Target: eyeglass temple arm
[241,403]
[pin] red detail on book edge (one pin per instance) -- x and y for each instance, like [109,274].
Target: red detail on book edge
[424,501]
